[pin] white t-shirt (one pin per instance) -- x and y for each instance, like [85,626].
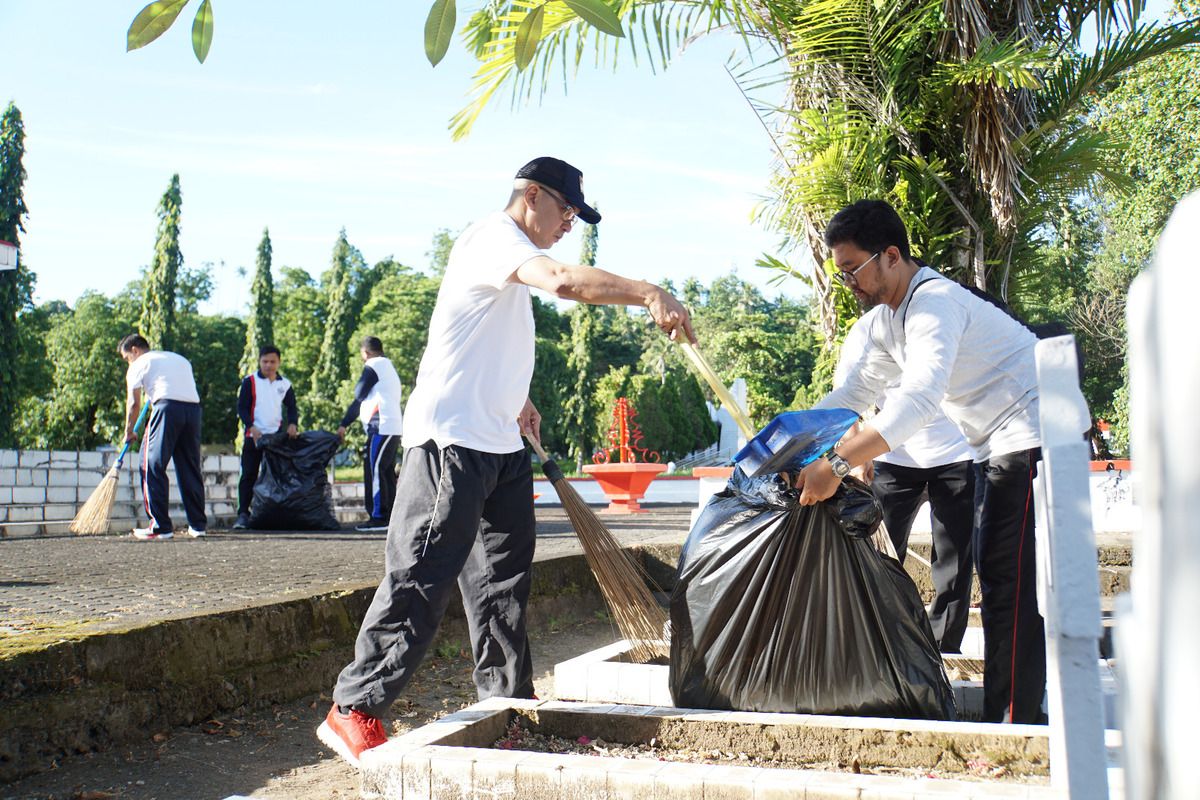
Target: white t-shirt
[162,375]
[947,348]
[939,443]
[474,375]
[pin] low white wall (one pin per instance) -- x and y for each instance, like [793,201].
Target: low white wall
[42,490]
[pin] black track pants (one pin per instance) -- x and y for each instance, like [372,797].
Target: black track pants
[950,489]
[1014,678]
[462,516]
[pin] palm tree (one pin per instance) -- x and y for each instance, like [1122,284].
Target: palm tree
[971,118]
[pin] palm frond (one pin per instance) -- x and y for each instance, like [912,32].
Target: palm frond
[655,31]
[1007,64]
[1069,87]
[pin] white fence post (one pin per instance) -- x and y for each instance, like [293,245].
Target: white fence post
[1068,588]
[1157,634]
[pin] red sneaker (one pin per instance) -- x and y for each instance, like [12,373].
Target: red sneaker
[349,734]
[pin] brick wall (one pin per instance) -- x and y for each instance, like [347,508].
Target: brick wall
[42,490]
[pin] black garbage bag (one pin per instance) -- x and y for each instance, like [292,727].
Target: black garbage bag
[293,492]
[790,608]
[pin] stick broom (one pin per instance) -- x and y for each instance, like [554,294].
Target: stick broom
[95,514]
[623,582]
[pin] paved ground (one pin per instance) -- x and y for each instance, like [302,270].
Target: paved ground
[116,581]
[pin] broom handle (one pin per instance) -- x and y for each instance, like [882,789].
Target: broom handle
[549,468]
[137,428]
[537,448]
[727,401]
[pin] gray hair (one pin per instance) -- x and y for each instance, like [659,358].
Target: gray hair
[518,190]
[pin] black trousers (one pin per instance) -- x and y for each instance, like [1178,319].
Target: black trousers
[251,465]
[465,517]
[379,473]
[1014,678]
[951,492]
[173,435]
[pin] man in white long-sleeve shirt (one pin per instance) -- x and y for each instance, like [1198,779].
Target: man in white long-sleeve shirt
[949,348]
[934,464]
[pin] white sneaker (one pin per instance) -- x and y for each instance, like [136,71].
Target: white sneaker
[149,533]
[195,534]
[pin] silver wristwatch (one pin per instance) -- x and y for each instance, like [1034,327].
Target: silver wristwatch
[841,467]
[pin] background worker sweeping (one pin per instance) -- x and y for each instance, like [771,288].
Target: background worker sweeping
[464,507]
[377,404]
[265,398]
[172,434]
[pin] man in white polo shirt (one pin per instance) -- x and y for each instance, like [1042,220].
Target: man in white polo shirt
[265,400]
[376,404]
[172,434]
[464,505]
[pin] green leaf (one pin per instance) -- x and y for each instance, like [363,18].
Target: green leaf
[202,31]
[439,29]
[597,14]
[152,22]
[528,35]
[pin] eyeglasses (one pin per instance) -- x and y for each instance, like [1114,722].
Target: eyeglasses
[850,276]
[568,211]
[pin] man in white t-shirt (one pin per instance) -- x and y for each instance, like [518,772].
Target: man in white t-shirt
[266,401]
[165,380]
[935,464]
[464,504]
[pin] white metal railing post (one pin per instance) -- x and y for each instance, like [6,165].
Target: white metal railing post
[1157,640]
[1068,587]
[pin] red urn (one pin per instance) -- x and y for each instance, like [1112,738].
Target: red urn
[625,479]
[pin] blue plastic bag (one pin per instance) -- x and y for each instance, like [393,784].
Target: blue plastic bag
[793,440]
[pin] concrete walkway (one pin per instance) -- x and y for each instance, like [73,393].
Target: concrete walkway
[99,583]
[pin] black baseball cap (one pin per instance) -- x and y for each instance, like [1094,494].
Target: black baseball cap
[564,179]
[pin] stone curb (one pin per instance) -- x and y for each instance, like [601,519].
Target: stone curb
[90,693]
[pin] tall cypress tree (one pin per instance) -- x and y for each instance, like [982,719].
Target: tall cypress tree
[332,364]
[16,286]
[585,323]
[260,326]
[158,297]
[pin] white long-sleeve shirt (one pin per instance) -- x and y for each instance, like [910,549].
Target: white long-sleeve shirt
[939,443]
[950,351]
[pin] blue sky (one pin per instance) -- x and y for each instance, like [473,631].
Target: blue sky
[312,116]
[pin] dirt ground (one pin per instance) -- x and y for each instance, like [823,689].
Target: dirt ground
[273,752]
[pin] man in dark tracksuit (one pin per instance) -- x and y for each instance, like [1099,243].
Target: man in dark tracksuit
[172,434]
[265,399]
[464,506]
[377,403]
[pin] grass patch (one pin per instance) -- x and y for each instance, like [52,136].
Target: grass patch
[24,635]
[350,473]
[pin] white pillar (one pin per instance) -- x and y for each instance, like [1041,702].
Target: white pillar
[1068,588]
[1158,634]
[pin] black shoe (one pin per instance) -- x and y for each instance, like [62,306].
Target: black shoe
[372,525]
[242,523]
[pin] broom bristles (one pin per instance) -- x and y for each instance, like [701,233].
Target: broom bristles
[95,514]
[623,582]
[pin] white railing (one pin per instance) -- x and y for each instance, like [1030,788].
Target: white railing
[1158,644]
